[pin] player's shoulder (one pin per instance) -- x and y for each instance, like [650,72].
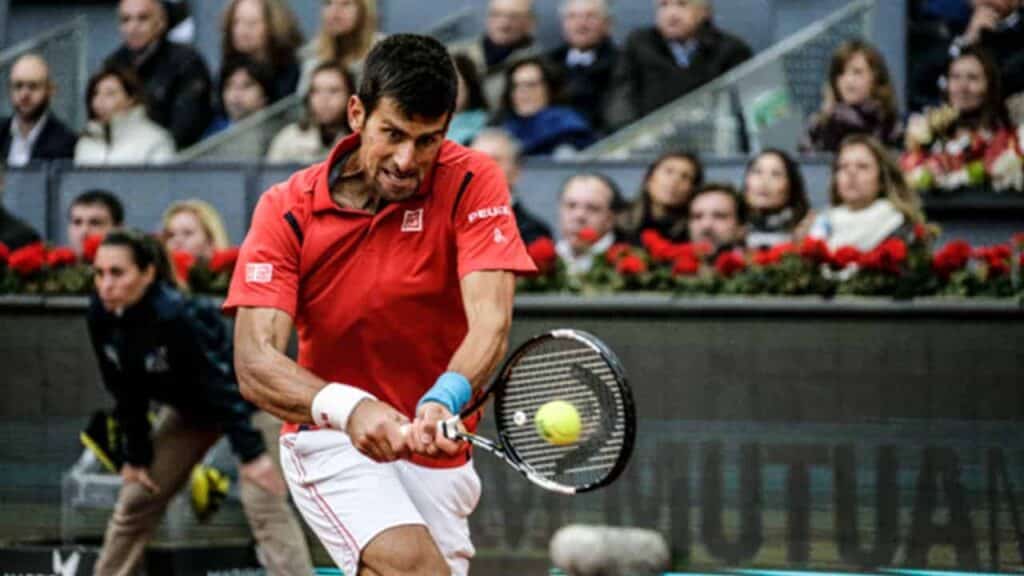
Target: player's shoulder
[295,193]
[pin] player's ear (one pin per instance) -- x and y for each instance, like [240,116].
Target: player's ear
[356,113]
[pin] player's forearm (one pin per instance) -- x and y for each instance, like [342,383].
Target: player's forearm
[275,383]
[481,351]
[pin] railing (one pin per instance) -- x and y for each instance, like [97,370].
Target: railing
[760,103]
[64,48]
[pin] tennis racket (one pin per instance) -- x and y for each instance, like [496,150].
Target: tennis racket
[574,367]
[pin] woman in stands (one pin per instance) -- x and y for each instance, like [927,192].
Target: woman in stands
[324,123]
[533,113]
[664,199]
[267,32]
[778,210]
[870,200]
[118,131]
[348,29]
[471,113]
[860,99]
[195,227]
[154,345]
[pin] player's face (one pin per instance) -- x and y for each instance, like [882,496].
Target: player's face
[857,181]
[185,233]
[671,183]
[713,219]
[119,281]
[397,152]
[88,220]
[767,186]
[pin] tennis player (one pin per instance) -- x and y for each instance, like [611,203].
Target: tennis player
[395,261]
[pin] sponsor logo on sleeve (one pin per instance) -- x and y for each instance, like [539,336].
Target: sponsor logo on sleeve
[259,273]
[492,212]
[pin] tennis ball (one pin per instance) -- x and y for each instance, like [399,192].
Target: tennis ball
[558,422]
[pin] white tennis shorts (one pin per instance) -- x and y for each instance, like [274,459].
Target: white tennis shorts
[348,499]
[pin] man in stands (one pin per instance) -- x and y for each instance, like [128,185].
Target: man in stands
[176,78]
[586,218]
[683,51]
[33,132]
[718,216]
[93,213]
[587,58]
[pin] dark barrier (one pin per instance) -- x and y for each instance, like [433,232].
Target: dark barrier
[798,434]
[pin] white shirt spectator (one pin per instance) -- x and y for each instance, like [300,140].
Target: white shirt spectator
[133,139]
[21,146]
[581,264]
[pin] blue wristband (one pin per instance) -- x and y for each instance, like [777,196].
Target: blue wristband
[452,390]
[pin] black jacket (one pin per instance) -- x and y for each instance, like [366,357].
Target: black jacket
[178,88]
[587,87]
[647,75]
[176,351]
[55,140]
[13,232]
[530,227]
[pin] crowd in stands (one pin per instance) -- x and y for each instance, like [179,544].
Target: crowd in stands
[155,96]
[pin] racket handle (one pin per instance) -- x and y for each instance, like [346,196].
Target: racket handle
[450,428]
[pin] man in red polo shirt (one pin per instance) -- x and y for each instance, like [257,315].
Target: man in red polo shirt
[395,261]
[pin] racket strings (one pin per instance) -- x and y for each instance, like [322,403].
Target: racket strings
[570,371]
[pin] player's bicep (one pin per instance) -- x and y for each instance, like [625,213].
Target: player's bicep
[488,297]
[261,336]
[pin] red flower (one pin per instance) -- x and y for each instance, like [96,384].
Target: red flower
[61,256]
[686,265]
[1018,239]
[90,245]
[4,253]
[224,260]
[845,256]
[631,265]
[702,249]
[920,232]
[588,235]
[652,240]
[617,251]
[999,268]
[951,257]
[27,260]
[997,258]
[814,250]
[183,263]
[766,257]
[889,257]
[729,263]
[542,251]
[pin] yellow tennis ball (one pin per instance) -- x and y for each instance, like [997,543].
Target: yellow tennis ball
[558,422]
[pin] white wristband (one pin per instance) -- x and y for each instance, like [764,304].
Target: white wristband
[334,403]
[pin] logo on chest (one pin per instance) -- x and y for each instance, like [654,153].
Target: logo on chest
[413,221]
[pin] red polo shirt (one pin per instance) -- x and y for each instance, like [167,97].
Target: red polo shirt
[375,297]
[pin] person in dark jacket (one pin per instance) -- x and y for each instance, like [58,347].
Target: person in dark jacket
[176,79]
[155,345]
[33,131]
[683,51]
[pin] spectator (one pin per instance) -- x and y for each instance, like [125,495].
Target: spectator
[118,131]
[586,218]
[504,150]
[245,87]
[663,201]
[870,199]
[265,31]
[176,79]
[718,216]
[507,38]
[325,122]
[680,53]
[997,26]
[93,213]
[860,99]
[471,113]
[587,58]
[194,227]
[533,114]
[33,132]
[778,209]
[348,29]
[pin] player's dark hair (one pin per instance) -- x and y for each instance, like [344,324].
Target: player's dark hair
[104,197]
[415,71]
[146,251]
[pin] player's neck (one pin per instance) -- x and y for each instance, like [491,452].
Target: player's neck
[353,190]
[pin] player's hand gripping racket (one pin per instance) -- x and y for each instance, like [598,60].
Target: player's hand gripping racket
[587,425]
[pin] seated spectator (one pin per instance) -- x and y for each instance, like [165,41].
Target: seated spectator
[33,132]
[504,150]
[870,201]
[718,216]
[325,121]
[860,99]
[586,218]
[507,38]
[471,113]
[245,87]
[683,51]
[973,128]
[93,213]
[662,204]
[997,26]
[348,29]
[176,79]
[265,31]
[778,209]
[194,227]
[118,131]
[587,58]
[533,114]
